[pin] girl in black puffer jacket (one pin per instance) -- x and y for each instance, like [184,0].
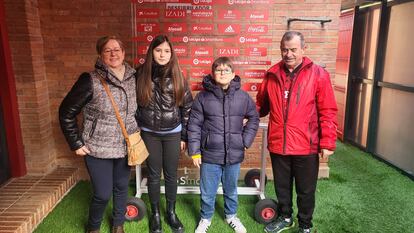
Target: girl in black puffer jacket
[164,102]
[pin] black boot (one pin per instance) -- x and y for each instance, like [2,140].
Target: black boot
[172,218]
[155,219]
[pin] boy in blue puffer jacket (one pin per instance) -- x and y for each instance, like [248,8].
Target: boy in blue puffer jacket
[217,138]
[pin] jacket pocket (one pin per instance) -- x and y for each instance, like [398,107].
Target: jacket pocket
[310,134]
[205,141]
[93,127]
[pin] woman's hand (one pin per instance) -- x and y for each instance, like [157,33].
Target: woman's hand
[183,146]
[82,151]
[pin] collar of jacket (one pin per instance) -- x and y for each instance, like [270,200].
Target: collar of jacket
[210,85]
[280,66]
[102,69]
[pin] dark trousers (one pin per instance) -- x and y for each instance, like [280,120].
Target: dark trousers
[164,152]
[108,177]
[304,171]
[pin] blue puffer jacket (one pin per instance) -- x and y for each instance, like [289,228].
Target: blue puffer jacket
[216,129]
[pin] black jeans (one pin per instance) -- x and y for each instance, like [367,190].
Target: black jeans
[108,177]
[304,171]
[164,152]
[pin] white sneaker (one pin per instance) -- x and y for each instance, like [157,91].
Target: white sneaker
[203,226]
[235,223]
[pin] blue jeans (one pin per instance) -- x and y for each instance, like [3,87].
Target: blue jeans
[210,177]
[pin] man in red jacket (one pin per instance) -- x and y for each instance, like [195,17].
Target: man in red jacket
[302,128]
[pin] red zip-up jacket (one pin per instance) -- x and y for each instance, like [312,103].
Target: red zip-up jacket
[309,123]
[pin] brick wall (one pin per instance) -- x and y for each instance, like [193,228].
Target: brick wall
[52,42]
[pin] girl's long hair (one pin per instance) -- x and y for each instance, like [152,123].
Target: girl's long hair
[144,81]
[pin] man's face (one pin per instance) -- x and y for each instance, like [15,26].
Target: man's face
[292,52]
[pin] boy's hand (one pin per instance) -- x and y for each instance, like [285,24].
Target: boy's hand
[197,162]
[82,151]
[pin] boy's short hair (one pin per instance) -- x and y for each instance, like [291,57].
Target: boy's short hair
[222,61]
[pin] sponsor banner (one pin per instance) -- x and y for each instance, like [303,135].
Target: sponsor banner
[253,40]
[243,2]
[202,51]
[161,1]
[175,14]
[197,86]
[175,27]
[257,29]
[145,38]
[251,86]
[190,39]
[229,28]
[257,15]
[254,73]
[253,63]
[202,28]
[229,51]
[142,50]
[148,13]
[206,14]
[256,52]
[199,73]
[148,27]
[229,14]
[181,50]
[187,7]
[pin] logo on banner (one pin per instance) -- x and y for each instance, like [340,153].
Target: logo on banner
[229,14]
[202,14]
[199,73]
[257,15]
[229,28]
[202,28]
[257,29]
[202,51]
[233,51]
[203,1]
[254,73]
[148,27]
[251,86]
[202,61]
[175,27]
[175,14]
[256,52]
[148,13]
[180,50]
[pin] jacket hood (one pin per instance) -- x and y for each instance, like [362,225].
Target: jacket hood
[102,69]
[280,65]
[210,85]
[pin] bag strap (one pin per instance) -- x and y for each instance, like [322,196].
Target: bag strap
[118,116]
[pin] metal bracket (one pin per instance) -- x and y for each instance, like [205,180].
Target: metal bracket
[322,21]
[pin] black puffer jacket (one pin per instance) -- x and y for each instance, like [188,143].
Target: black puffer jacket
[162,114]
[216,129]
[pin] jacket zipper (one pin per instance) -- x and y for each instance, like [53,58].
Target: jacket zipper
[287,111]
[224,126]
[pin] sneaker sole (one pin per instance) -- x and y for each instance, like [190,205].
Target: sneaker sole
[284,229]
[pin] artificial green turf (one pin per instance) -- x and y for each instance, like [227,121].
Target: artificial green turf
[362,195]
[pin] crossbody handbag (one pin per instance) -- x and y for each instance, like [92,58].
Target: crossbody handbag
[137,151]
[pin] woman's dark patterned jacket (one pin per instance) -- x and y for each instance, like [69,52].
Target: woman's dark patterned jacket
[162,114]
[101,132]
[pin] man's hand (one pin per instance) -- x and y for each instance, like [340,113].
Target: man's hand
[197,162]
[325,153]
[82,151]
